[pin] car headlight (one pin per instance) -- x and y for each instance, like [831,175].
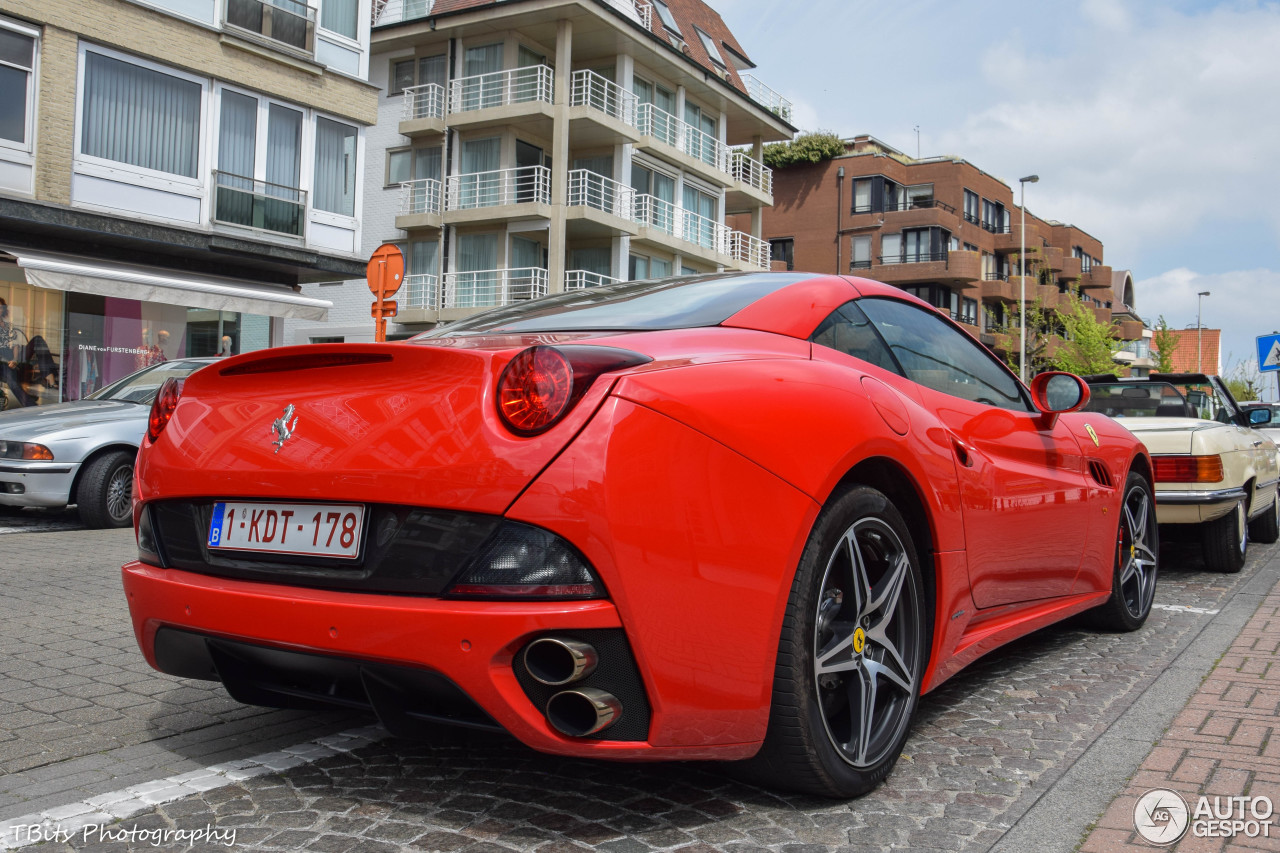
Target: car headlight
[25,450]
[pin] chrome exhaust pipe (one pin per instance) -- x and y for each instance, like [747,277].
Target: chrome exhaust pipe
[582,712]
[556,661]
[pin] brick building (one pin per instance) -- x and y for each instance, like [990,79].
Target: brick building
[526,147]
[943,229]
[172,170]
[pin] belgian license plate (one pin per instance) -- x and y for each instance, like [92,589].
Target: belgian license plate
[323,530]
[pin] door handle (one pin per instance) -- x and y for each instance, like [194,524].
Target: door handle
[963,452]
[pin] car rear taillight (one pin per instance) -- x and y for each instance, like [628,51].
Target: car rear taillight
[542,384]
[1188,469]
[162,407]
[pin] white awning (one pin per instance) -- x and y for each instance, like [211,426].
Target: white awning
[149,284]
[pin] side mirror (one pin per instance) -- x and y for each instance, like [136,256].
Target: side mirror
[1056,393]
[1259,416]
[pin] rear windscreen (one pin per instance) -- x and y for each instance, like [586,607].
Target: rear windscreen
[683,302]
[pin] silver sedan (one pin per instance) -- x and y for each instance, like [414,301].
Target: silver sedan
[82,452]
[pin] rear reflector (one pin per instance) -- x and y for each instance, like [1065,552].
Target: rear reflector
[1188,469]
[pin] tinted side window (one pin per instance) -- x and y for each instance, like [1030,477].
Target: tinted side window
[942,358]
[848,330]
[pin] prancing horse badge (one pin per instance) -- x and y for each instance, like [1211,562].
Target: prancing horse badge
[284,430]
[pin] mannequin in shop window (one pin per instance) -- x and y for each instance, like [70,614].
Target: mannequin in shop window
[225,349]
[10,349]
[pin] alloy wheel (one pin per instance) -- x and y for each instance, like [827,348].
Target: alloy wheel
[867,644]
[1137,557]
[120,492]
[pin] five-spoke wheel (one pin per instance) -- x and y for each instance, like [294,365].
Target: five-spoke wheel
[1133,583]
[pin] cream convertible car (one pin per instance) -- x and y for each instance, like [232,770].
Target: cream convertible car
[1213,466]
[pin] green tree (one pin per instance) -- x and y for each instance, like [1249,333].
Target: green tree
[806,148]
[1244,381]
[1087,342]
[1040,330]
[1165,343]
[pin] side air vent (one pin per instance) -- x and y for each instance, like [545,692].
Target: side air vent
[1100,474]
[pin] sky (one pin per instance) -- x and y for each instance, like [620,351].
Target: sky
[1154,125]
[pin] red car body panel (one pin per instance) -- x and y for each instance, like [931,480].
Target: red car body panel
[689,484]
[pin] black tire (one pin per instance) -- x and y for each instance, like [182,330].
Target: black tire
[1225,541]
[1137,563]
[1266,527]
[105,492]
[857,611]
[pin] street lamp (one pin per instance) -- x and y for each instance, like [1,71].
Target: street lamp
[1199,329]
[1022,269]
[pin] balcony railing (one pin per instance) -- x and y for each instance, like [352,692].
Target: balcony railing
[753,173]
[258,204]
[913,258]
[422,291]
[860,265]
[996,227]
[420,196]
[591,90]
[749,250]
[684,137]
[995,276]
[287,21]
[499,88]
[921,204]
[490,288]
[587,189]
[522,185]
[395,11]
[423,102]
[579,279]
[766,97]
[645,11]
[701,231]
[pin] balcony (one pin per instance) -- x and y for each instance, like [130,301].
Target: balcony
[1053,258]
[395,11]
[420,204]
[422,291]
[1097,278]
[423,112]
[998,287]
[500,96]
[1011,240]
[718,242]
[644,11]
[598,205]
[753,175]
[492,288]
[260,205]
[287,23]
[472,197]
[957,268]
[1070,268]
[678,140]
[602,110]
[766,97]
[581,279]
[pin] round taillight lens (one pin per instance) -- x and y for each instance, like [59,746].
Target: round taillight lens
[535,390]
[162,407]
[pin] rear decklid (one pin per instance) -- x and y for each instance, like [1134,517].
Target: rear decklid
[1168,435]
[390,423]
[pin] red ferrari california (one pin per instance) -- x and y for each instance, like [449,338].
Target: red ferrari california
[747,517]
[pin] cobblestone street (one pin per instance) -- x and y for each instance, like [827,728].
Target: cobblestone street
[1024,750]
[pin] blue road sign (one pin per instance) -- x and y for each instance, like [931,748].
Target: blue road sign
[1269,352]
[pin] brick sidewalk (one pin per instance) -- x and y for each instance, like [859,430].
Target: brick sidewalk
[1224,743]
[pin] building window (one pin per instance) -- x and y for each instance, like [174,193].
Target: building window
[140,117]
[17,86]
[862,195]
[860,253]
[711,49]
[259,191]
[920,195]
[972,209]
[335,176]
[289,22]
[994,217]
[783,249]
[406,73]
[412,164]
[668,20]
[340,16]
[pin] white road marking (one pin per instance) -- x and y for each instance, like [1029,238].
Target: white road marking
[1182,608]
[117,805]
